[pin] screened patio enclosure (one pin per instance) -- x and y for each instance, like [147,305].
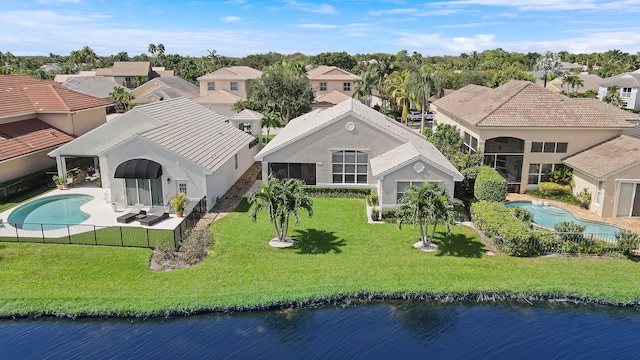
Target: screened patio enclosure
[143,184]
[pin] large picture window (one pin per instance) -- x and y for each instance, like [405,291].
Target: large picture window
[303,171]
[402,186]
[144,191]
[350,167]
[470,143]
[541,172]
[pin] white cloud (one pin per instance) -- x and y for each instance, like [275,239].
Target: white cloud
[436,43]
[314,8]
[549,5]
[54,2]
[231,18]
[318,26]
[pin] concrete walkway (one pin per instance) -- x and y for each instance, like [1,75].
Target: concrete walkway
[632,224]
[244,186]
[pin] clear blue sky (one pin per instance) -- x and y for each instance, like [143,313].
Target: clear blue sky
[242,27]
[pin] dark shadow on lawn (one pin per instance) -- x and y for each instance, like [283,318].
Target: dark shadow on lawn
[243,207]
[458,245]
[312,241]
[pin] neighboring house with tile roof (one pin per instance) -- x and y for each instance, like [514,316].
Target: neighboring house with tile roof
[153,151]
[248,121]
[590,82]
[125,72]
[329,99]
[62,78]
[629,84]
[224,87]
[164,88]
[351,145]
[35,117]
[526,131]
[96,86]
[611,173]
[325,79]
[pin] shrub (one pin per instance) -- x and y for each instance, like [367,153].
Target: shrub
[626,241]
[509,234]
[570,231]
[389,216]
[566,198]
[522,214]
[466,185]
[375,214]
[584,197]
[323,192]
[550,188]
[490,185]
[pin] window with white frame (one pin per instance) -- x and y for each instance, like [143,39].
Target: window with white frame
[233,86]
[402,186]
[549,147]
[346,86]
[349,167]
[599,193]
[182,186]
[541,172]
[211,85]
[323,86]
[470,143]
[625,92]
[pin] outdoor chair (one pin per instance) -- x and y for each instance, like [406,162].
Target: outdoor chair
[131,215]
[156,216]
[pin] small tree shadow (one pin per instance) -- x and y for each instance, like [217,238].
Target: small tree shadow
[312,241]
[459,245]
[243,207]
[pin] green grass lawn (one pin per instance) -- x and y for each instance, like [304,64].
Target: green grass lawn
[22,198]
[336,253]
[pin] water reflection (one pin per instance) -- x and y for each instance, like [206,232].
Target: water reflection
[389,329]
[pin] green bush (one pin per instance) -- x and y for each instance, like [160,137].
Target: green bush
[522,214]
[342,193]
[389,216]
[550,188]
[466,185]
[626,241]
[490,185]
[566,198]
[508,233]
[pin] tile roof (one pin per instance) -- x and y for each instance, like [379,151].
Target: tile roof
[181,126]
[630,79]
[233,73]
[591,82]
[96,86]
[247,115]
[331,98]
[607,158]
[22,94]
[222,97]
[165,88]
[524,104]
[27,136]
[307,124]
[130,68]
[324,72]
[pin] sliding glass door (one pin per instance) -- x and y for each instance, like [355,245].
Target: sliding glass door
[629,200]
[144,191]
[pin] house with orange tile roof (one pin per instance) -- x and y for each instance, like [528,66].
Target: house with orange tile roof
[36,116]
[526,132]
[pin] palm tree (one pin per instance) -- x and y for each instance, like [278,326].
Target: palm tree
[364,87]
[424,206]
[281,199]
[121,98]
[548,64]
[152,49]
[613,96]
[399,88]
[424,83]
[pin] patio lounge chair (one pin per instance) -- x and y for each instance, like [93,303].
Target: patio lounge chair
[131,215]
[156,216]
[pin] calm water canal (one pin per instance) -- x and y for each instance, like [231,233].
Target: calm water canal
[385,330]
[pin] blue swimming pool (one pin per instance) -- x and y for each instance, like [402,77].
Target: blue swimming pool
[549,215]
[54,211]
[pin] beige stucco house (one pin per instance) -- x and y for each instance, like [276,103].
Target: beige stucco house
[224,87]
[325,79]
[629,87]
[352,145]
[125,72]
[611,173]
[156,150]
[526,131]
[37,116]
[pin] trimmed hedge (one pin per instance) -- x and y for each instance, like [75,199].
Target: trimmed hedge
[509,234]
[325,192]
[490,185]
[553,189]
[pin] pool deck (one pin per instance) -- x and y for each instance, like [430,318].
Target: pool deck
[100,210]
[632,224]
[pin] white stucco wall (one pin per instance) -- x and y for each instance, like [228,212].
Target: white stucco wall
[318,146]
[221,181]
[387,192]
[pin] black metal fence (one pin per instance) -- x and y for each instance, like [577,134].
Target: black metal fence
[198,211]
[547,242]
[25,184]
[81,234]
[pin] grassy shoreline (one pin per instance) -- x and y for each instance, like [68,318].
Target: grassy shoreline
[338,258]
